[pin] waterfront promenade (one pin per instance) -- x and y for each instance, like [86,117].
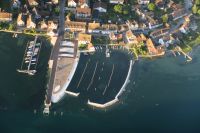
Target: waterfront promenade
[54,57]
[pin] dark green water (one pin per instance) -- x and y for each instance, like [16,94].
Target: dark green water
[163,97]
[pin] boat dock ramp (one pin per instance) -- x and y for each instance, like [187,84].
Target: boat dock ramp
[31,56]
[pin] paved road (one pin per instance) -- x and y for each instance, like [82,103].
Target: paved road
[55,51]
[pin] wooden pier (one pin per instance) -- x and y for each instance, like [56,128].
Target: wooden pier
[31,56]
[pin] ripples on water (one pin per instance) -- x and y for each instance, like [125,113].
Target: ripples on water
[162,96]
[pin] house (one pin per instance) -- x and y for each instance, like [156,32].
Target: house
[179,14]
[78,3]
[75,26]
[94,27]
[143,2]
[112,37]
[115,37]
[130,38]
[184,27]
[159,32]
[29,23]
[108,28]
[116,1]
[83,13]
[52,25]
[123,27]
[160,4]
[84,38]
[151,48]
[16,4]
[166,40]
[20,21]
[32,3]
[90,47]
[72,3]
[133,25]
[43,25]
[100,6]
[54,1]
[141,38]
[152,23]
[5,16]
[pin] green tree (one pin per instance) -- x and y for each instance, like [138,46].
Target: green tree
[165,18]
[198,12]
[57,10]
[197,2]
[125,12]
[151,6]
[118,8]
[194,9]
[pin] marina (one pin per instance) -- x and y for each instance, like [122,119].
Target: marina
[96,75]
[31,57]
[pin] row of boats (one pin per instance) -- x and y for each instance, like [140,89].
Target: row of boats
[32,52]
[30,59]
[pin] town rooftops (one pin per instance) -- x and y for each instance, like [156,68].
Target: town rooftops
[117,1]
[109,27]
[84,37]
[100,4]
[5,16]
[83,10]
[179,13]
[32,2]
[150,46]
[75,24]
[141,38]
[130,34]
[92,26]
[159,32]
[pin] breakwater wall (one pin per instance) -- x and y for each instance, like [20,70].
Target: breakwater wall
[116,99]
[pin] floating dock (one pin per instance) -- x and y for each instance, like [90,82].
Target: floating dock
[30,58]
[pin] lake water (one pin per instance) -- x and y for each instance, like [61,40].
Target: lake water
[163,96]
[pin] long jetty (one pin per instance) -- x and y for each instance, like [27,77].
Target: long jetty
[54,58]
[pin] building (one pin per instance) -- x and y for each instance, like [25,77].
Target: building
[84,38]
[54,1]
[29,23]
[100,6]
[52,25]
[20,21]
[43,25]
[32,3]
[130,38]
[78,3]
[179,14]
[16,4]
[115,37]
[5,16]
[123,27]
[72,3]
[151,48]
[75,26]
[133,25]
[83,13]
[141,38]
[94,27]
[159,32]
[108,28]
[116,1]
[143,2]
